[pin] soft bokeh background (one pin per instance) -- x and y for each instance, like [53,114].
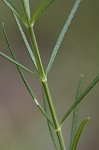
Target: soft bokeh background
[22,126]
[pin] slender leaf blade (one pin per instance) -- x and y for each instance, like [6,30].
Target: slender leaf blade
[61,36]
[78,134]
[15,62]
[40,9]
[26,7]
[25,41]
[80,98]
[15,11]
[75,112]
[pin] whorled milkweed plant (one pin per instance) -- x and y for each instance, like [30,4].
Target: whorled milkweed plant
[54,125]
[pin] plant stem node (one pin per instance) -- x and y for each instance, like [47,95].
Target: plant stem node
[58,129]
[44,79]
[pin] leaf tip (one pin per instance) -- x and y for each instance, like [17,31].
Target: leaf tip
[2,24]
[88,118]
[82,75]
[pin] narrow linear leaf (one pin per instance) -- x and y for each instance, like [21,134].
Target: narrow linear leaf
[78,134]
[26,7]
[75,112]
[61,36]
[80,98]
[23,77]
[44,113]
[25,41]
[48,123]
[40,9]
[15,62]
[15,11]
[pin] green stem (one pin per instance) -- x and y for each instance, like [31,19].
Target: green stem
[46,88]
[36,53]
[54,117]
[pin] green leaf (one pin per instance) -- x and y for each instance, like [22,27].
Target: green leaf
[25,41]
[26,7]
[23,77]
[78,134]
[75,112]
[40,9]
[80,98]
[61,36]
[15,11]
[15,62]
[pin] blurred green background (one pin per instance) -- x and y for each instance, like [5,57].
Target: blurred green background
[22,126]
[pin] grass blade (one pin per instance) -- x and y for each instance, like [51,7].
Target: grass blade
[23,77]
[78,134]
[75,112]
[15,62]
[40,9]
[26,7]
[48,123]
[25,41]
[80,98]
[61,36]
[15,11]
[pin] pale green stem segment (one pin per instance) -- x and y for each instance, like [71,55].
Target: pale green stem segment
[51,130]
[53,114]
[61,36]
[79,99]
[36,54]
[75,112]
[79,131]
[24,79]
[34,43]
